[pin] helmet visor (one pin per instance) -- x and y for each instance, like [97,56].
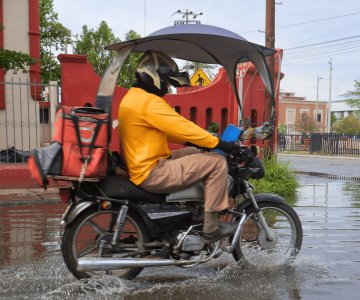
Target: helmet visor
[179,79]
[170,72]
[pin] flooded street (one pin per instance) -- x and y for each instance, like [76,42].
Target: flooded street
[328,266]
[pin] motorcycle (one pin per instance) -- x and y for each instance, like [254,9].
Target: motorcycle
[114,227]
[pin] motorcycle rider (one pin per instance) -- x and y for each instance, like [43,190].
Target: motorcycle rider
[147,123]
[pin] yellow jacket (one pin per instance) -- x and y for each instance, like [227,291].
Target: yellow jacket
[146,125]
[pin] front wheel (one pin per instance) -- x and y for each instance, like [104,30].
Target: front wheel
[94,227]
[283,222]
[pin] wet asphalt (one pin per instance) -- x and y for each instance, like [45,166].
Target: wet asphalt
[315,164]
[327,267]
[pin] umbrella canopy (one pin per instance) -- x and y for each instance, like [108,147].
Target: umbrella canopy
[195,42]
[206,44]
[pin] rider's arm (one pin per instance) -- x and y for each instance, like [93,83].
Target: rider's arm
[177,128]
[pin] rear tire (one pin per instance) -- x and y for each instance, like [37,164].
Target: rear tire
[253,247]
[81,238]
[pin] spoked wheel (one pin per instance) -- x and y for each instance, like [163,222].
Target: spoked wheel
[93,229]
[256,249]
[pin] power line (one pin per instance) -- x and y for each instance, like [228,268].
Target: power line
[322,54]
[330,48]
[308,22]
[322,43]
[318,20]
[315,58]
[329,33]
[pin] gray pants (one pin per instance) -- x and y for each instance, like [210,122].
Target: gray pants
[188,166]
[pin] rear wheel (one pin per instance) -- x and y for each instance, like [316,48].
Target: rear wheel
[91,228]
[254,248]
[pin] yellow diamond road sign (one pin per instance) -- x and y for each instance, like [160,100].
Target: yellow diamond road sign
[199,78]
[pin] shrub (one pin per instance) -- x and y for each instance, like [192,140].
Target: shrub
[279,179]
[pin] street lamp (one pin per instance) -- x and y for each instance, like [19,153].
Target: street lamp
[329,113]
[317,98]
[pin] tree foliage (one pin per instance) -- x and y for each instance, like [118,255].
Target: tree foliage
[14,60]
[92,42]
[306,125]
[207,68]
[347,125]
[53,37]
[127,74]
[353,97]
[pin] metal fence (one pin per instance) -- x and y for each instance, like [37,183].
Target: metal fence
[322,143]
[25,124]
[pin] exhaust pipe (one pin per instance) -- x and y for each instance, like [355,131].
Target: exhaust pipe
[88,264]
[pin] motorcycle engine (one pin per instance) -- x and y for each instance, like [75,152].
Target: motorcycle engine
[191,243]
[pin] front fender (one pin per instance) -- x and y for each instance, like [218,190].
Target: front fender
[268,197]
[77,209]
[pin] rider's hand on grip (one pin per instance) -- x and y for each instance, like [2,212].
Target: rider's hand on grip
[245,154]
[229,147]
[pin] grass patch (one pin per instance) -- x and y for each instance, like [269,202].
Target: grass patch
[279,179]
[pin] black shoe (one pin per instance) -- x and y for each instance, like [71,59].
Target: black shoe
[224,230]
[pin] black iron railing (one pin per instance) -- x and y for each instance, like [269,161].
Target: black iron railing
[322,143]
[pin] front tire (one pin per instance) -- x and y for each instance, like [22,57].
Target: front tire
[253,247]
[82,238]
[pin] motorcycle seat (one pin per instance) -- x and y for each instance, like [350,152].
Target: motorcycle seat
[122,188]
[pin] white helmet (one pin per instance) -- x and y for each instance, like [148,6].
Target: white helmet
[157,69]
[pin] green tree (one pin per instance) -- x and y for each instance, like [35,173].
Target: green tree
[306,124]
[347,125]
[281,129]
[53,37]
[353,97]
[127,74]
[92,43]
[207,68]
[14,60]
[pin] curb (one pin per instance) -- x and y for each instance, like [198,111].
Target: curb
[320,156]
[11,197]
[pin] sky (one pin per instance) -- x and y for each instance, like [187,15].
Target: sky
[311,32]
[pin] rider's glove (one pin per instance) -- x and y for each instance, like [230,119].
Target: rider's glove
[228,147]
[246,154]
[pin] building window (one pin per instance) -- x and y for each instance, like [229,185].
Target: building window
[44,115]
[304,115]
[319,116]
[224,119]
[253,118]
[209,116]
[193,114]
[178,109]
[290,115]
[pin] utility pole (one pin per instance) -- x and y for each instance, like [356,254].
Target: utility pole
[317,98]
[185,14]
[270,43]
[329,108]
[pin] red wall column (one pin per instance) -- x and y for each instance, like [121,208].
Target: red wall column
[2,73]
[34,36]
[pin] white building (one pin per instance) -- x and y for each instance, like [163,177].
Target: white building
[24,115]
[341,109]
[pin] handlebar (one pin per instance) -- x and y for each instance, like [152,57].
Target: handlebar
[262,132]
